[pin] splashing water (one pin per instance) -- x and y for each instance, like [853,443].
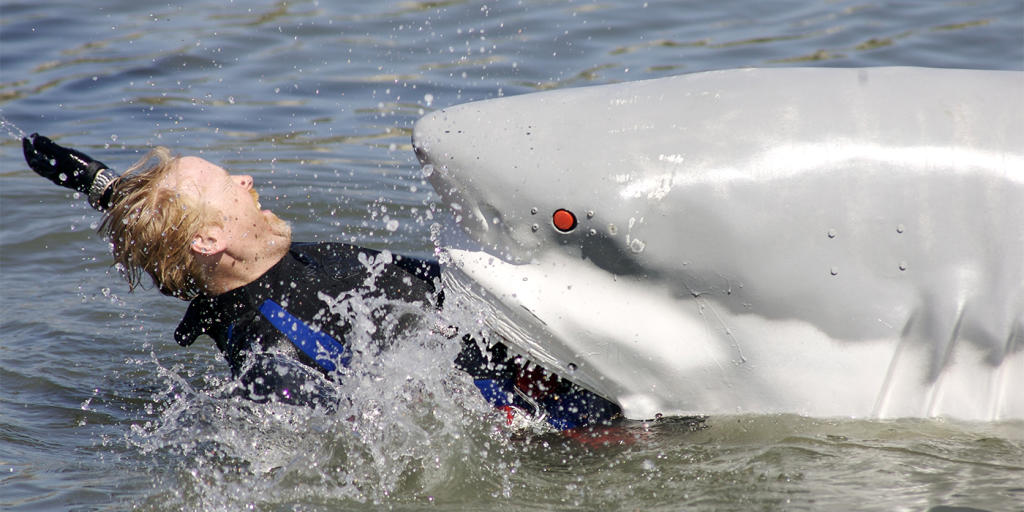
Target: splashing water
[12,130]
[408,427]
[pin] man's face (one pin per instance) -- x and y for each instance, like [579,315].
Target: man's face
[232,198]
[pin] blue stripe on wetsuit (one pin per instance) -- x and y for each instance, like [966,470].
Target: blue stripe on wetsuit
[496,392]
[318,345]
[568,411]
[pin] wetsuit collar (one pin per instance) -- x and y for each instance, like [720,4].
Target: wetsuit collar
[206,314]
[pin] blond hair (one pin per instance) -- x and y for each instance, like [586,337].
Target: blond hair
[152,228]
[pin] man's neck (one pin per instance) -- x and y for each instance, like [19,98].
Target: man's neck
[231,272]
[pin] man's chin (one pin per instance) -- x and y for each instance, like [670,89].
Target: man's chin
[280,227]
[285,233]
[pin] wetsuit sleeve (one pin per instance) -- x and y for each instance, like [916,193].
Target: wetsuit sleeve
[70,168]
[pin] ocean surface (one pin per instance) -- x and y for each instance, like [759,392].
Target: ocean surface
[101,410]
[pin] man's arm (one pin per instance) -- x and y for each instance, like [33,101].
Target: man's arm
[70,169]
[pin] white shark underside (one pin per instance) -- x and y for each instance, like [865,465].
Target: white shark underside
[829,242]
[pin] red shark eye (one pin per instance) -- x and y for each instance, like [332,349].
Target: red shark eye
[564,220]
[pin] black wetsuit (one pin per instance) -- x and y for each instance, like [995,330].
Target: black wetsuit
[265,327]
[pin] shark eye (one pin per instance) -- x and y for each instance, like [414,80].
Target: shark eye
[564,220]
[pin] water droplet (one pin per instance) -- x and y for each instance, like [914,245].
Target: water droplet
[533,211]
[899,228]
[592,232]
[392,225]
[637,246]
[832,233]
[428,99]
[572,368]
[534,228]
[612,229]
[834,271]
[427,170]
[590,214]
[62,177]
[903,265]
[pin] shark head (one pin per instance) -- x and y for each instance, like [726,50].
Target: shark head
[519,184]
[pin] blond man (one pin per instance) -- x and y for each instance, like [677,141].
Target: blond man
[201,235]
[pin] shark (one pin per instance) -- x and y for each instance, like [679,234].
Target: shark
[830,242]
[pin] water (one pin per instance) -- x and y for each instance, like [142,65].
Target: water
[100,409]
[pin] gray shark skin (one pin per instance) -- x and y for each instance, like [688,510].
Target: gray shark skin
[827,242]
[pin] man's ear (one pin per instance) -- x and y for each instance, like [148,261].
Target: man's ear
[208,241]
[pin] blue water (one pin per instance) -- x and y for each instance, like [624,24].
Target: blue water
[101,410]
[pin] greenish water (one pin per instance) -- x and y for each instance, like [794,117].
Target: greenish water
[101,410]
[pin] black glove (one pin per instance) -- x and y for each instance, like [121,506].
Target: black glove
[69,168]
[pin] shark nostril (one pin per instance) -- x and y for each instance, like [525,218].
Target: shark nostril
[421,153]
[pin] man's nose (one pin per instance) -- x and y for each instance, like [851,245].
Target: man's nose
[244,180]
